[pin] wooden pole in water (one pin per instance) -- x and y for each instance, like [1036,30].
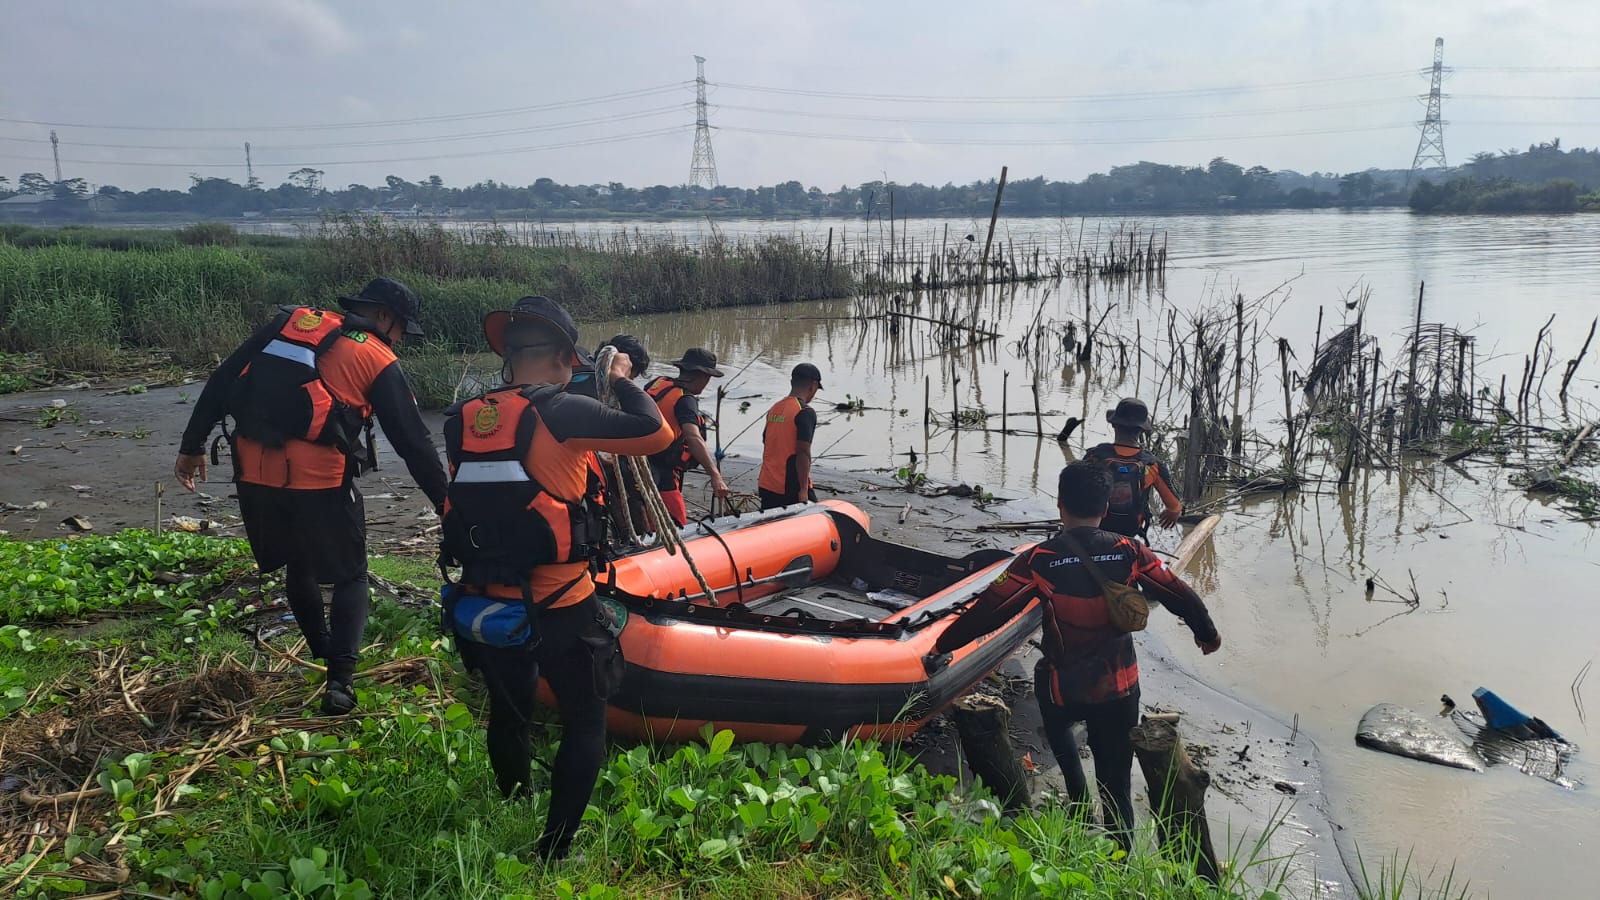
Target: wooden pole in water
[1288,406]
[1177,791]
[1005,381]
[927,395]
[994,216]
[1138,357]
[1237,448]
[1038,420]
[830,250]
[1193,449]
[891,234]
[1411,383]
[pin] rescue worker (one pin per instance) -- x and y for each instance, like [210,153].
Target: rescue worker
[1089,672]
[1135,471]
[302,391]
[680,408]
[786,443]
[583,373]
[602,479]
[514,522]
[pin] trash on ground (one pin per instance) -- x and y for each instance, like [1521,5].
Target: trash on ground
[1389,728]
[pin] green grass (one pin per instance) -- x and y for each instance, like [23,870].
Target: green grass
[82,297]
[399,800]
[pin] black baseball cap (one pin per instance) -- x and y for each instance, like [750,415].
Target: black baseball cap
[393,296]
[537,309]
[699,359]
[806,372]
[1130,413]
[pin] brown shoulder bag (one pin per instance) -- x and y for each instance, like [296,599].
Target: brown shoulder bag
[1126,605]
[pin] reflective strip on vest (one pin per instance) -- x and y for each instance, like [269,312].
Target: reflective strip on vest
[477,621]
[292,352]
[493,471]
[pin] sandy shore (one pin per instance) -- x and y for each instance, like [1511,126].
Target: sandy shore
[108,457]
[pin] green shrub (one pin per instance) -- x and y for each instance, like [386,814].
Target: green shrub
[208,234]
[75,330]
[440,375]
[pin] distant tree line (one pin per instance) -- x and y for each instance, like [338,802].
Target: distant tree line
[1139,187]
[1143,186]
[1543,179]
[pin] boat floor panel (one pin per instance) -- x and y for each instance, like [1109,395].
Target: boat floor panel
[836,602]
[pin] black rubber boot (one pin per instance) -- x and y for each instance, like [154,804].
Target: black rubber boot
[338,699]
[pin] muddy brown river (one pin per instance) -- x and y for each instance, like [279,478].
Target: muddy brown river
[1507,582]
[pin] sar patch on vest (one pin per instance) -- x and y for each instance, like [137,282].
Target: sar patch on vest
[499,521]
[281,395]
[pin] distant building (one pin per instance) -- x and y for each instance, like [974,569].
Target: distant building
[26,204]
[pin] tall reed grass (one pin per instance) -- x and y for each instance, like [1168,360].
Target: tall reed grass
[79,296]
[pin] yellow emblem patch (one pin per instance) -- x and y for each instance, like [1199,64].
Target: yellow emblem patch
[311,321]
[486,421]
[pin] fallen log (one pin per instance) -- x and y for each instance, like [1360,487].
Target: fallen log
[1177,790]
[1193,541]
[984,725]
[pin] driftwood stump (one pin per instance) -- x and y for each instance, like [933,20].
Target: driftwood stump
[1177,790]
[983,723]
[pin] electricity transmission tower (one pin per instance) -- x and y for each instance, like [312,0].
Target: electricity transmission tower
[1430,145]
[249,167]
[703,167]
[55,150]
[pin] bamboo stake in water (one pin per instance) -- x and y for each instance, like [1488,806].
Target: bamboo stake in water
[1005,381]
[1411,384]
[994,216]
[1288,405]
[1237,450]
[1038,417]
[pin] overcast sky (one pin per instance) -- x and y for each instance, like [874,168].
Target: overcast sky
[828,93]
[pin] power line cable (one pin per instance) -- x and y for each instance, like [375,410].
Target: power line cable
[964,122]
[389,123]
[1064,142]
[1067,98]
[471,135]
[610,139]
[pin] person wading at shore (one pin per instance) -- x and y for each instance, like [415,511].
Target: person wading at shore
[302,391]
[677,399]
[786,443]
[525,604]
[1089,672]
[1135,471]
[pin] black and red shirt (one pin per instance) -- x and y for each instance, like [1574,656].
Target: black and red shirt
[1090,659]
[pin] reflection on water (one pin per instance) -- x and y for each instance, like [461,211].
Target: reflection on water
[1505,585]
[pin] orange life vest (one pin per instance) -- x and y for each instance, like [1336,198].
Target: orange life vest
[778,447]
[280,395]
[499,521]
[667,392]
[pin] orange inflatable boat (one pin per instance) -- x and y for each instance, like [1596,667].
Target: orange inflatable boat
[817,632]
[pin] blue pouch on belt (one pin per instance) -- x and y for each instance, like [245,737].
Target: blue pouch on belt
[490,621]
